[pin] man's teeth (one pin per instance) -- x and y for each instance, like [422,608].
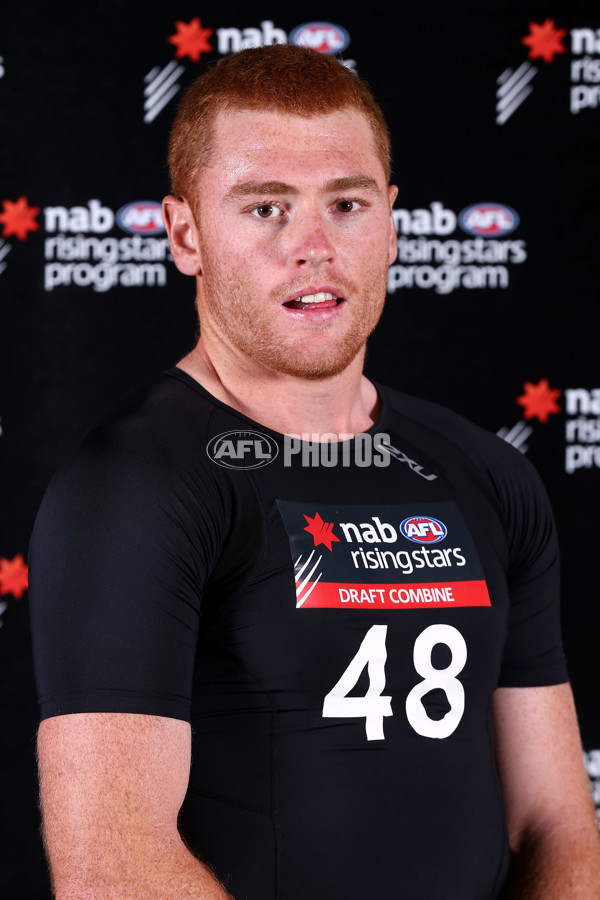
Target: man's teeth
[317,298]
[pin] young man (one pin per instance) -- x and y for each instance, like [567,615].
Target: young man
[324,680]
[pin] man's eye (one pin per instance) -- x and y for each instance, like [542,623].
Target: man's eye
[266,211]
[346,205]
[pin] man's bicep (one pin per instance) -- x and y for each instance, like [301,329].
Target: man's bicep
[540,760]
[112,785]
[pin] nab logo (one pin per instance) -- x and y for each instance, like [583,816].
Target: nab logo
[488,219]
[142,217]
[242,450]
[423,529]
[321,36]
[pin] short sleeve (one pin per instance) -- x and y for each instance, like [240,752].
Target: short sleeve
[122,547]
[533,653]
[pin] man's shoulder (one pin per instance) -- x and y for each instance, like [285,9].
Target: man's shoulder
[484,449]
[166,419]
[153,439]
[165,409]
[436,417]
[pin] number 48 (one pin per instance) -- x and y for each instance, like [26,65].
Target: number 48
[374,706]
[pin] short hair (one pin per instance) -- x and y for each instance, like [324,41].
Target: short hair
[278,77]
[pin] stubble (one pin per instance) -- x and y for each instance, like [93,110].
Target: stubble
[256,326]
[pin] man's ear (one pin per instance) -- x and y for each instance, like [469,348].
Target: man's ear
[183,235]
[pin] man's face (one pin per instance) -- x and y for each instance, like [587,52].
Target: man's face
[295,237]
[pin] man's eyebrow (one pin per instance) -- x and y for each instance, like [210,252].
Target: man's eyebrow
[351,183]
[262,188]
[275,188]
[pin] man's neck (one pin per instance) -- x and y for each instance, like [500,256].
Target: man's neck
[344,404]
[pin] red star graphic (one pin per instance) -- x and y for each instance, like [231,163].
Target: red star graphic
[13,576]
[191,39]
[539,400]
[544,40]
[321,531]
[19,218]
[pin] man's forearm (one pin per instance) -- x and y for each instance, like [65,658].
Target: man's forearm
[111,787]
[559,866]
[168,873]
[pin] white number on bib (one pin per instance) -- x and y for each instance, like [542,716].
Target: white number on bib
[444,679]
[373,706]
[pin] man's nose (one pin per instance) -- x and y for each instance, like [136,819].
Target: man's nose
[313,243]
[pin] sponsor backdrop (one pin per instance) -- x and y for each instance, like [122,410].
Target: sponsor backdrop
[495,115]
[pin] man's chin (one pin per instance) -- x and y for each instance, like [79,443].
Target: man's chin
[313,367]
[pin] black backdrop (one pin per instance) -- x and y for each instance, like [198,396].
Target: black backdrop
[494,296]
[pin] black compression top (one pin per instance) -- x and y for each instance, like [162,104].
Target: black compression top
[332,632]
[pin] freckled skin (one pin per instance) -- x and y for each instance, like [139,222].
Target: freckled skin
[316,236]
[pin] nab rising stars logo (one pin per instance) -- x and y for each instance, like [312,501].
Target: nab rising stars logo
[357,557]
[193,40]
[545,41]
[423,529]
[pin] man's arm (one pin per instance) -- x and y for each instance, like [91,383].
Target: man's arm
[112,785]
[553,835]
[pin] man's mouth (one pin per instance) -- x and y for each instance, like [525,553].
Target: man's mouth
[321,300]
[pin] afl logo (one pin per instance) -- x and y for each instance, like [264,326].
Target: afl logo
[321,36]
[242,450]
[141,217]
[423,529]
[488,219]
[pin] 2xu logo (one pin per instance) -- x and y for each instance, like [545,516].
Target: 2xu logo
[423,529]
[242,450]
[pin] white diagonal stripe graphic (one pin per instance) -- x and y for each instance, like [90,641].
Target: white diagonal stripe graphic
[4,249]
[516,436]
[157,79]
[152,113]
[509,78]
[507,113]
[308,577]
[510,95]
[502,78]
[299,574]
[519,442]
[513,91]
[160,86]
[308,593]
[152,74]
[508,435]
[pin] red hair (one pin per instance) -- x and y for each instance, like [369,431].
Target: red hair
[281,78]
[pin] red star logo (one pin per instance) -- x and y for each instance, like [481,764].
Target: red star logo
[544,40]
[19,218]
[321,531]
[539,400]
[191,39]
[13,576]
